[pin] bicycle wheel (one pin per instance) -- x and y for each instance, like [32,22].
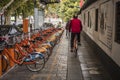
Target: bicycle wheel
[76,52]
[49,52]
[5,63]
[17,54]
[46,56]
[75,47]
[38,65]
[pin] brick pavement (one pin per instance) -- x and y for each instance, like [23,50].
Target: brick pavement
[63,66]
[92,68]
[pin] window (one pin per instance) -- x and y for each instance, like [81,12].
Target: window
[117,32]
[90,21]
[84,19]
[96,20]
[88,18]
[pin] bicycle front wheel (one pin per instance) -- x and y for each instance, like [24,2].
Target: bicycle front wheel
[38,65]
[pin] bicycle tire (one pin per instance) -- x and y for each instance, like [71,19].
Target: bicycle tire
[49,52]
[5,63]
[17,54]
[46,56]
[58,40]
[38,65]
[76,48]
[76,52]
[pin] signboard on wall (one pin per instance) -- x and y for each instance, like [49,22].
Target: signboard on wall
[106,25]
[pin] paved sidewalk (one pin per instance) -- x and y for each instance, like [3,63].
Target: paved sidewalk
[55,68]
[62,65]
[92,68]
[74,69]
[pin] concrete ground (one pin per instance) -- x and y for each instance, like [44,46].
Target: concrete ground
[62,65]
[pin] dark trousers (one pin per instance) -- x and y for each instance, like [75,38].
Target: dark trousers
[73,36]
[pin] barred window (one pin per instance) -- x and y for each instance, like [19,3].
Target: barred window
[88,18]
[117,29]
[96,20]
[84,18]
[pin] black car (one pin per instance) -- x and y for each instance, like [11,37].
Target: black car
[7,32]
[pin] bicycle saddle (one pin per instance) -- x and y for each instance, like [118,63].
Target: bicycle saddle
[39,38]
[33,41]
[25,46]
[44,34]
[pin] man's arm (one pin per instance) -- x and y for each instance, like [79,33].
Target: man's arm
[70,24]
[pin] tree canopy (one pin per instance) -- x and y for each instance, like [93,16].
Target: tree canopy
[68,8]
[3,3]
[65,9]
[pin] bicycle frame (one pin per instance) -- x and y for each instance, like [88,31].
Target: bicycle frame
[25,54]
[35,60]
[5,62]
[6,52]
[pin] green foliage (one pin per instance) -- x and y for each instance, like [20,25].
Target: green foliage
[52,9]
[3,3]
[65,9]
[26,9]
[16,4]
[68,8]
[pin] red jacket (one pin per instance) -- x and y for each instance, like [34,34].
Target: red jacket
[76,26]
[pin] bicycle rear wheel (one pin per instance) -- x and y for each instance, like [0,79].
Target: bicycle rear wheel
[75,48]
[38,65]
[75,52]
[5,63]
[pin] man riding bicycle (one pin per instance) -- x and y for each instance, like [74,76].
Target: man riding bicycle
[67,27]
[75,29]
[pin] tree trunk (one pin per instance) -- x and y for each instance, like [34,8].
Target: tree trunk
[7,20]
[15,17]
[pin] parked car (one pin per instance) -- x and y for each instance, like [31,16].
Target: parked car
[7,32]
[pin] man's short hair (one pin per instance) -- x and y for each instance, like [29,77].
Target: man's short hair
[75,16]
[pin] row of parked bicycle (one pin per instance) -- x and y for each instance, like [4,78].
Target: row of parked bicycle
[32,49]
